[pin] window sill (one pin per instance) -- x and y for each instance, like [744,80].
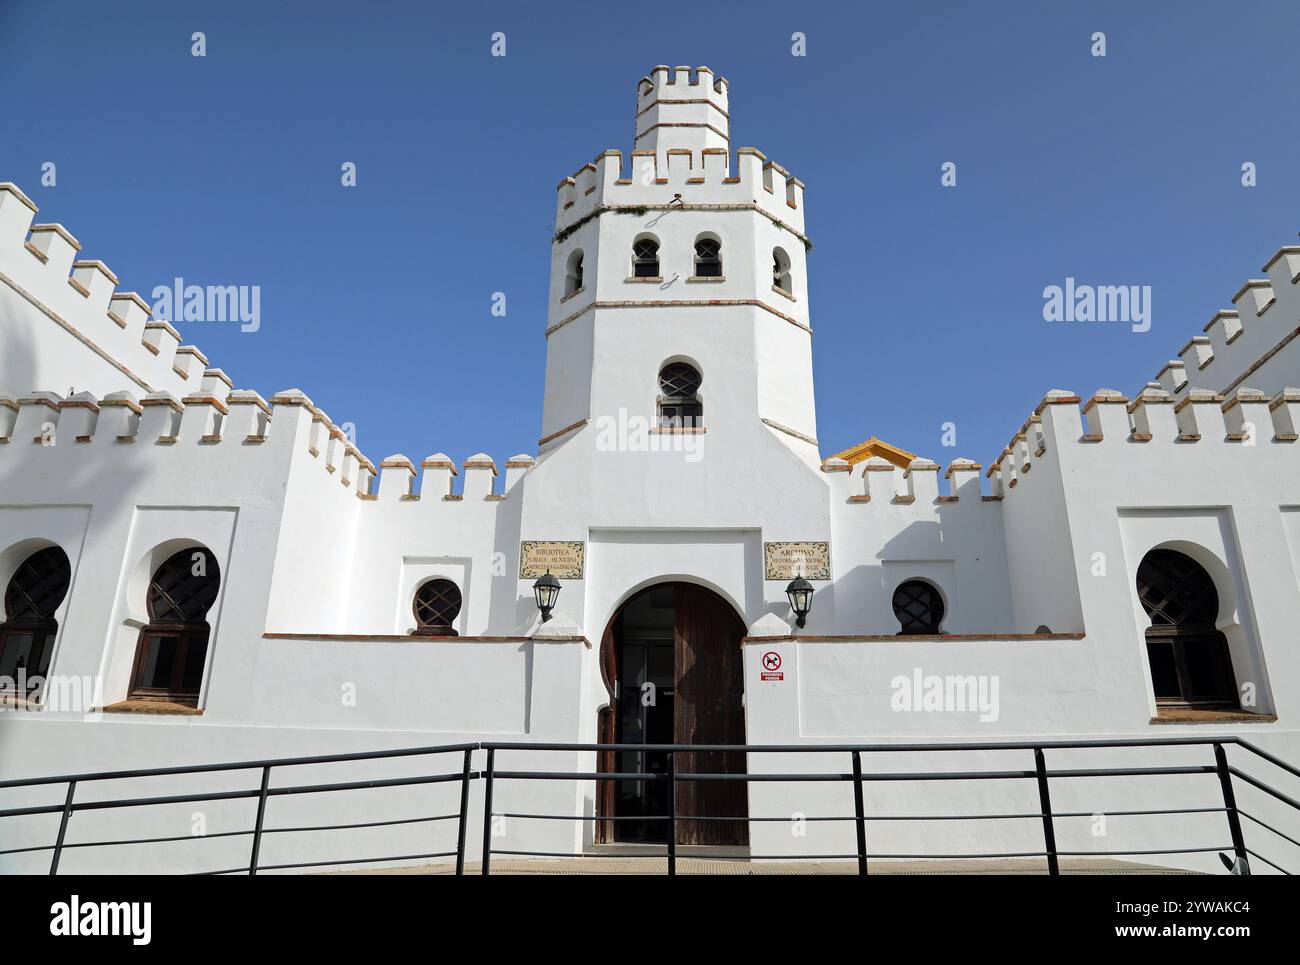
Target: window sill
[783,293]
[707,278]
[152,707]
[1188,715]
[655,279]
[573,294]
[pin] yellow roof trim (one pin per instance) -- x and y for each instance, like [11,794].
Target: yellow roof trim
[875,447]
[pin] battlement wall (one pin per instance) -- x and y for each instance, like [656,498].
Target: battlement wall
[680,177]
[64,323]
[1252,343]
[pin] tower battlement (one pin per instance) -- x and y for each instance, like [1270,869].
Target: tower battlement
[681,109]
[681,154]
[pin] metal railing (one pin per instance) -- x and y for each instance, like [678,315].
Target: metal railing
[859,777]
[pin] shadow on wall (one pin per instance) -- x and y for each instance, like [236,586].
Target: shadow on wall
[108,477]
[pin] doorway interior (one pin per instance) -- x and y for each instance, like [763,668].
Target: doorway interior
[673,667]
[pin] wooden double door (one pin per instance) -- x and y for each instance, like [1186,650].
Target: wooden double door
[672,663]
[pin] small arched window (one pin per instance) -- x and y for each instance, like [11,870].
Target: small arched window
[918,608]
[35,591]
[1188,654]
[573,274]
[437,604]
[781,271]
[708,258]
[679,397]
[645,258]
[174,645]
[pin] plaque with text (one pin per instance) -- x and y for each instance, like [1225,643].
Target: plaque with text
[785,561]
[563,559]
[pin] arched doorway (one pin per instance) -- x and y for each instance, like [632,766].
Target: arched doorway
[1190,662]
[672,665]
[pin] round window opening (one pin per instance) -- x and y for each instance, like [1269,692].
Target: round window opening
[437,604]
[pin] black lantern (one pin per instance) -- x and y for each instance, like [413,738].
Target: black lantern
[545,591]
[800,592]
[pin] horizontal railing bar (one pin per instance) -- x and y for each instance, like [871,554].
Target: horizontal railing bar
[223,871]
[1267,862]
[570,854]
[581,817]
[320,864]
[28,850]
[360,824]
[240,765]
[362,785]
[177,837]
[947,857]
[811,778]
[683,748]
[1268,827]
[1242,742]
[234,795]
[1111,854]
[1255,782]
[135,802]
[864,748]
[1120,814]
[1134,771]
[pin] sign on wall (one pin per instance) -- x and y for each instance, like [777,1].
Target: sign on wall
[785,561]
[563,559]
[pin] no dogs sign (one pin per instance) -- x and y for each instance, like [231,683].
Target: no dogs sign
[771,667]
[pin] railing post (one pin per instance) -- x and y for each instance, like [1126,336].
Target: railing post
[63,828]
[672,813]
[487,809]
[859,811]
[1045,805]
[1230,803]
[261,815]
[464,812]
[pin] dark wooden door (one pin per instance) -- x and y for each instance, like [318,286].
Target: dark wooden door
[707,710]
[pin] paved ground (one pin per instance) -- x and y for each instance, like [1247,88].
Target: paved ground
[619,865]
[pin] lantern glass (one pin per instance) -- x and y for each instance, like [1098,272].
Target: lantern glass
[546,591]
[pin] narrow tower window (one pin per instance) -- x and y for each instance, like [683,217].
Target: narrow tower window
[781,271]
[437,604]
[645,259]
[1188,654]
[27,635]
[918,607]
[174,645]
[573,277]
[708,258]
[679,399]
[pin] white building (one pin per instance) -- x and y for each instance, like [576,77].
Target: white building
[200,575]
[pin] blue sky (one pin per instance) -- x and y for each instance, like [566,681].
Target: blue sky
[926,301]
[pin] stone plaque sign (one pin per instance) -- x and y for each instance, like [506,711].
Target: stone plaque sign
[785,561]
[563,558]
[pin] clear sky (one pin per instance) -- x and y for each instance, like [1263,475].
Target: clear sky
[927,301]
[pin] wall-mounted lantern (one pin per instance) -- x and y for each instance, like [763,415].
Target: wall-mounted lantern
[546,590]
[800,593]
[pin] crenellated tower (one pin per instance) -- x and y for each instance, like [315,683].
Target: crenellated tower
[682,254]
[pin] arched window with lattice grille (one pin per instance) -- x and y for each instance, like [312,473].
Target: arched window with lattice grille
[27,635]
[173,646]
[1188,654]
[680,406]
